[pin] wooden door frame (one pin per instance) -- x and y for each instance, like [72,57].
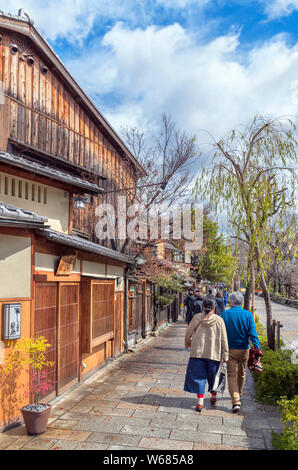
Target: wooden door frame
[52,395]
[112,282]
[74,381]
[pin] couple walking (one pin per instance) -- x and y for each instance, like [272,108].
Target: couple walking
[214,339]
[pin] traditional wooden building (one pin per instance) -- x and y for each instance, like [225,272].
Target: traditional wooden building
[57,154]
[145,313]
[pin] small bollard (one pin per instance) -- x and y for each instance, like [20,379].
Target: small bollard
[279,326]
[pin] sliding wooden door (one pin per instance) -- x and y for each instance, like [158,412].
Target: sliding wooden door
[56,317]
[45,324]
[68,336]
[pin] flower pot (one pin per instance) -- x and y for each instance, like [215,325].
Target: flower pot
[36,421]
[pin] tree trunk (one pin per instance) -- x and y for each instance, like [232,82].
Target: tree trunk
[247,296]
[253,288]
[270,331]
[266,294]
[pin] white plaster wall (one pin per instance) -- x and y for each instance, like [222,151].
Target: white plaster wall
[15,267]
[44,262]
[56,208]
[93,269]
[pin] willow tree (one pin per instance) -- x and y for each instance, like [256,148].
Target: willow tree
[253,176]
[281,250]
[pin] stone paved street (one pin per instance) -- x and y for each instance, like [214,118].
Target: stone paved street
[138,402]
[288,316]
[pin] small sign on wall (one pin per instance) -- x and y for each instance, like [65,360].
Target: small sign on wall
[11,321]
[131,288]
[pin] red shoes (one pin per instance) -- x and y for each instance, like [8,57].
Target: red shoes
[213,398]
[200,404]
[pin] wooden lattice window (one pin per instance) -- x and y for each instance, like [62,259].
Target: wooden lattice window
[98,310]
[103,300]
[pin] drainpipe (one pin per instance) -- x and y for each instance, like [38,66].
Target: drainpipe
[126,307]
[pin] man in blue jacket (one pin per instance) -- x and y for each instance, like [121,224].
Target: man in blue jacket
[241,330]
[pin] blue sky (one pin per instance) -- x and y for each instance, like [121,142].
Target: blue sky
[211,64]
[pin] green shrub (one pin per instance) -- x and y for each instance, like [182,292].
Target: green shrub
[279,375]
[278,378]
[282,442]
[288,440]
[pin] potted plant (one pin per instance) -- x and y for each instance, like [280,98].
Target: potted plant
[29,353]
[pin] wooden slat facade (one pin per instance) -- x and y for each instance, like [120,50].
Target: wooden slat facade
[44,117]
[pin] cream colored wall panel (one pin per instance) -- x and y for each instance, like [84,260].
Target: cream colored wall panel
[116,271]
[15,267]
[76,267]
[44,262]
[39,198]
[93,269]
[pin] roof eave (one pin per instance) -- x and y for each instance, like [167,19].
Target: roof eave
[87,246]
[61,176]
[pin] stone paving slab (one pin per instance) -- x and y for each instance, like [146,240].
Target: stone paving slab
[111,412]
[98,426]
[199,436]
[131,420]
[40,444]
[109,438]
[169,424]
[63,424]
[68,445]
[149,431]
[66,434]
[205,446]
[115,447]
[165,444]
[250,442]
[19,443]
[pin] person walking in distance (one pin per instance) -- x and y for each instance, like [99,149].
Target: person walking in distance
[241,329]
[220,306]
[189,306]
[226,296]
[198,302]
[206,336]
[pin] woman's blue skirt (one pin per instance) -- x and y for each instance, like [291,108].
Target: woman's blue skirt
[199,371]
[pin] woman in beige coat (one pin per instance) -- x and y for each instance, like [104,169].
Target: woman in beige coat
[207,337]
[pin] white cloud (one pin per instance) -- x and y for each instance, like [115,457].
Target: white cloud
[203,86]
[73,20]
[135,74]
[70,19]
[280,8]
[182,3]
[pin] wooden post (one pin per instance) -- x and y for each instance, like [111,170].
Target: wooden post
[279,326]
[273,329]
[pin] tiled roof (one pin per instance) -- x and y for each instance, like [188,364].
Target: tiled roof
[85,245]
[8,211]
[49,172]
